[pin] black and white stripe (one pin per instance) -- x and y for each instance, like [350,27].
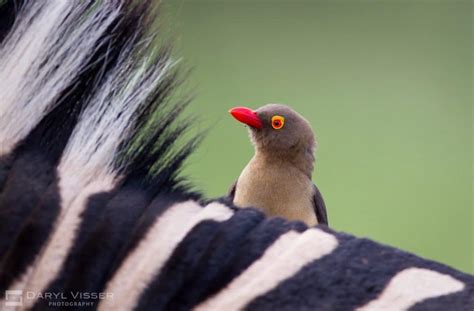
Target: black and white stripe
[91,201]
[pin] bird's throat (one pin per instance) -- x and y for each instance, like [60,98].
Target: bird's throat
[301,160]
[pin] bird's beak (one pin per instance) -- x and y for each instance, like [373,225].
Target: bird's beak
[247,116]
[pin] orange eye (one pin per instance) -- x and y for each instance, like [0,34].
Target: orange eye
[278,122]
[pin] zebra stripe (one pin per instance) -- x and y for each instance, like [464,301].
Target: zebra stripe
[91,201]
[411,286]
[146,261]
[60,243]
[276,265]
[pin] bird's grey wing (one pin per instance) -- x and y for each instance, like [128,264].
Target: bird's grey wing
[231,192]
[319,207]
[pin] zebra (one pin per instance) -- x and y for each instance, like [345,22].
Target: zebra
[94,213]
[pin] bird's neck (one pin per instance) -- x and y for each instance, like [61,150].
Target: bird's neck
[303,160]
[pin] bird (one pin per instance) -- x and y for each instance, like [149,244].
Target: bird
[277,180]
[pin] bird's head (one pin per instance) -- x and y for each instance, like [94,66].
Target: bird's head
[277,129]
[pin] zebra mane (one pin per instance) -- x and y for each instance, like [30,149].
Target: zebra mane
[84,84]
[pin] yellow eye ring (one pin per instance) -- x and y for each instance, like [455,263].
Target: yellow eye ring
[278,122]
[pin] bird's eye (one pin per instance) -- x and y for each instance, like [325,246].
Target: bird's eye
[278,122]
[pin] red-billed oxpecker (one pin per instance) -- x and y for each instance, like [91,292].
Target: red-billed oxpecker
[277,179]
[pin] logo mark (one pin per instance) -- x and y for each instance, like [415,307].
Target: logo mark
[13,298]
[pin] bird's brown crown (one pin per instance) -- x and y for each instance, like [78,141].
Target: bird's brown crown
[283,131]
[279,132]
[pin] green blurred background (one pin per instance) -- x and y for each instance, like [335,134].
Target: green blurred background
[386,86]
